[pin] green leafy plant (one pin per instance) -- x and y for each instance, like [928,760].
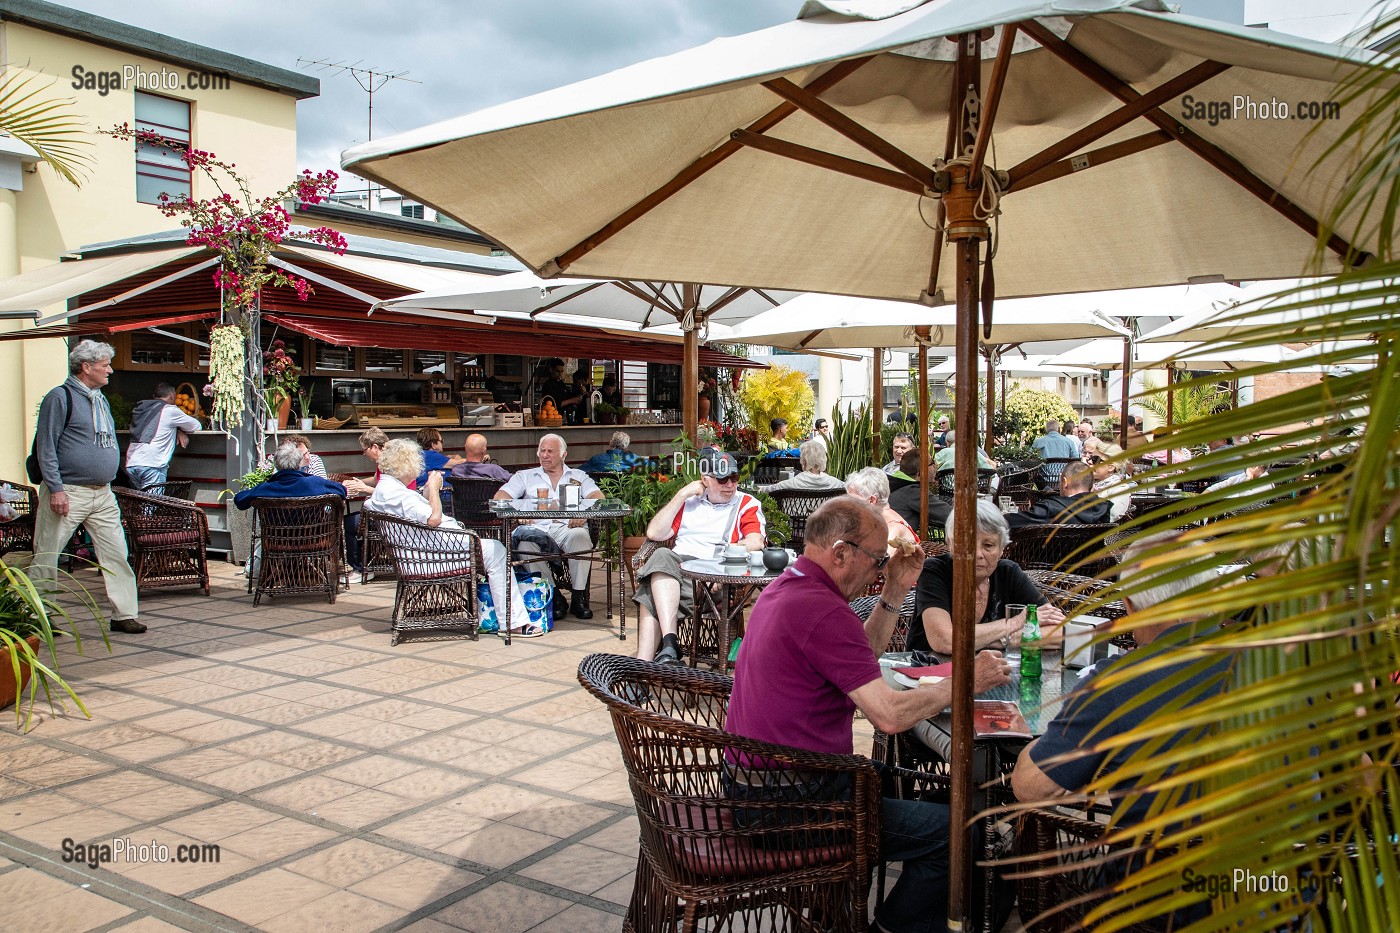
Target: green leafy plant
[1293,765]
[121,410]
[1013,453]
[256,476]
[29,611]
[778,392]
[1190,401]
[849,447]
[304,401]
[1033,407]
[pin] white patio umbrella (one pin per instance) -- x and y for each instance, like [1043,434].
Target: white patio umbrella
[1260,305]
[1108,354]
[838,153]
[693,310]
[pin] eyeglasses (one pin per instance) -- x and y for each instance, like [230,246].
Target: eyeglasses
[1094,458]
[879,560]
[731,478]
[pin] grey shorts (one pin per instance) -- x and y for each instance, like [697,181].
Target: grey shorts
[667,563]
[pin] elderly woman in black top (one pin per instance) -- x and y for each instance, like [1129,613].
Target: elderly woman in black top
[999,584]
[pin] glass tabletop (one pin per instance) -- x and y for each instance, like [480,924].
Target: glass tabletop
[550,508]
[1039,699]
[738,569]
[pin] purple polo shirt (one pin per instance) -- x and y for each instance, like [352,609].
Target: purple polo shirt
[804,651]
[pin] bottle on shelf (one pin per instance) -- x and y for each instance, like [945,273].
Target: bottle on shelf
[1030,645]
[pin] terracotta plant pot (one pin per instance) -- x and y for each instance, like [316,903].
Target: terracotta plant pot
[630,546]
[284,413]
[704,408]
[8,693]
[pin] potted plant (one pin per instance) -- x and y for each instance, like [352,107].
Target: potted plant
[29,622]
[239,522]
[308,421]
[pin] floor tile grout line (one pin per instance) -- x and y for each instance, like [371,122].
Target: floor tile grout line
[128,892]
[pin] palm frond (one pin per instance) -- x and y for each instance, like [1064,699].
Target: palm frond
[45,124]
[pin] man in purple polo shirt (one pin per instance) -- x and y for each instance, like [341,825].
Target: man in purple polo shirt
[808,663]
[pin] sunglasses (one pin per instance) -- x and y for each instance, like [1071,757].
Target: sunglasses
[1094,458]
[879,560]
[731,478]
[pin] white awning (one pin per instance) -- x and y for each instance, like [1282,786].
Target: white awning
[34,291]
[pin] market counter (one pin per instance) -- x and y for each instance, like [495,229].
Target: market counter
[206,459]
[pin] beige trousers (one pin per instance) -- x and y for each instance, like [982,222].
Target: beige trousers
[96,510]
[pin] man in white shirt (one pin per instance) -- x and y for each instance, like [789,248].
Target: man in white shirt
[157,424]
[571,535]
[701,516]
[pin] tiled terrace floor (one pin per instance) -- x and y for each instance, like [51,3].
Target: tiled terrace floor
[434,786]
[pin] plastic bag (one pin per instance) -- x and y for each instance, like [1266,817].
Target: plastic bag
[538,594]
[486,609]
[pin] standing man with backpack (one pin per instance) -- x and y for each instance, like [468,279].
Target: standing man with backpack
[76,456]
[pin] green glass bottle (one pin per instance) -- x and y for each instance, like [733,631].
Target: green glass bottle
[1030,646]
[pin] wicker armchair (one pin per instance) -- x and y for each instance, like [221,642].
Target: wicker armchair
[1052,547]
[174,488]
[299,544]
[770,469]
[797,504]
[943,483]
[166,540]
[708,858]
[1050,471]
[438,570]
[18,534]
[1018,481]
[376,561]
[471,497]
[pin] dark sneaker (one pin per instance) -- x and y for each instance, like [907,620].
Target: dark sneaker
[668,655]
[128,626]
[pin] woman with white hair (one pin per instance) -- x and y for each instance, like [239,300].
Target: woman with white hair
[872,485]
[1109,481]
[813,477]
[1000,583]
[400,462]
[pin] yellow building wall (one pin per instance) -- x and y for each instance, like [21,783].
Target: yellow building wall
[253,127]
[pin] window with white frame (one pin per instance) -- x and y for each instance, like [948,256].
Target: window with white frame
[160,169]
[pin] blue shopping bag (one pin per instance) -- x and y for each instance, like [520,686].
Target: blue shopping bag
[486,609]
[538,592]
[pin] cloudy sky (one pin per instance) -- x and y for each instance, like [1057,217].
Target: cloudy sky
[468,54]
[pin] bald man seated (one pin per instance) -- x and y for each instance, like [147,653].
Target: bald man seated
[478,463]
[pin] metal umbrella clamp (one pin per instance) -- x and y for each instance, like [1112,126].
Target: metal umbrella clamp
[839,153]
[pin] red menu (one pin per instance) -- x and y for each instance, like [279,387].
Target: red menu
[998,718]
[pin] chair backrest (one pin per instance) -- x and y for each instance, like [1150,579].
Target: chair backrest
[714,806]
[309,524]
[146,513]
[470,498]
[797,504]
[1058,547]
[27,506]
[1051,469]
[174,488]
[943,481]
[770,469]
[420,551]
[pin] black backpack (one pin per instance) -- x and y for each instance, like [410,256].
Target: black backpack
[31,462]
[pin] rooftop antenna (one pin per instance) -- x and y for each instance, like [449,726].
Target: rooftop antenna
[369,80]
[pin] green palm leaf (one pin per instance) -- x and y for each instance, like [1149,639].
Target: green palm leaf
[45,124]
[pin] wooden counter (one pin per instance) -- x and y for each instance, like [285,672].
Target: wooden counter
[206,459]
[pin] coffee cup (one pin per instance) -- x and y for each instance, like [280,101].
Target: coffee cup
[756,558]
[736,552]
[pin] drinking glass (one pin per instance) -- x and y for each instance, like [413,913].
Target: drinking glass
[1013,641]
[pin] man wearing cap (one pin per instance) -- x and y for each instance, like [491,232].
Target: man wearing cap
[702,517]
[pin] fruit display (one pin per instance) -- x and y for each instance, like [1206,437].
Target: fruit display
[548,416]
[187,400]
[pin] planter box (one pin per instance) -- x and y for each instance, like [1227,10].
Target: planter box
[8,693]
[510,420]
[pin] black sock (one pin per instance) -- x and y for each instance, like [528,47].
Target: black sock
[671,641]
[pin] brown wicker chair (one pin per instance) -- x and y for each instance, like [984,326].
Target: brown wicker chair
[471,497]
[18,534]
[1057,547]
[943,483]
[772,864]
[797,504]
[438,570]
[1048,476]
[376,561]
[1018,481]
[174,488]
[299,544]
[166,540]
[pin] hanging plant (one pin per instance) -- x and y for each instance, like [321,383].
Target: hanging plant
[227,362]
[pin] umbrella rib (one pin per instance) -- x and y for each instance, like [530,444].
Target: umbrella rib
[656,299]
[724,299]
[1100,156]
[829,161]
[1118,118]
[569,297]
[991,102]
[700,166]
[1213,155]
[832,118]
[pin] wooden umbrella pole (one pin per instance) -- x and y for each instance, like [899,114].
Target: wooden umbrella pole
[877,407]
[690,364]
[966,228]
[923,333]
[1171,410]
[1127,378]
[987,441]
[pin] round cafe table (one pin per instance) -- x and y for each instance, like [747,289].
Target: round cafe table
[722,591]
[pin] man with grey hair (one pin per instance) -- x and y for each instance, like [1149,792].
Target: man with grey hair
[75,449]
[1080,742]
[616,459]
[813,477]
[1052,445]
[570,536]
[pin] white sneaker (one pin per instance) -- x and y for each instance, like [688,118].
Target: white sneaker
[355,577]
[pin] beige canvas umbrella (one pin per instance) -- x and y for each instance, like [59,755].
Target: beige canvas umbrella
[839,153]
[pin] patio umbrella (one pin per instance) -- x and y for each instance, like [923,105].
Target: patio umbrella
[1259,305]
[645,305]
[837,154]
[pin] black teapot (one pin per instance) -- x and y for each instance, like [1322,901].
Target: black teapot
[775,558]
